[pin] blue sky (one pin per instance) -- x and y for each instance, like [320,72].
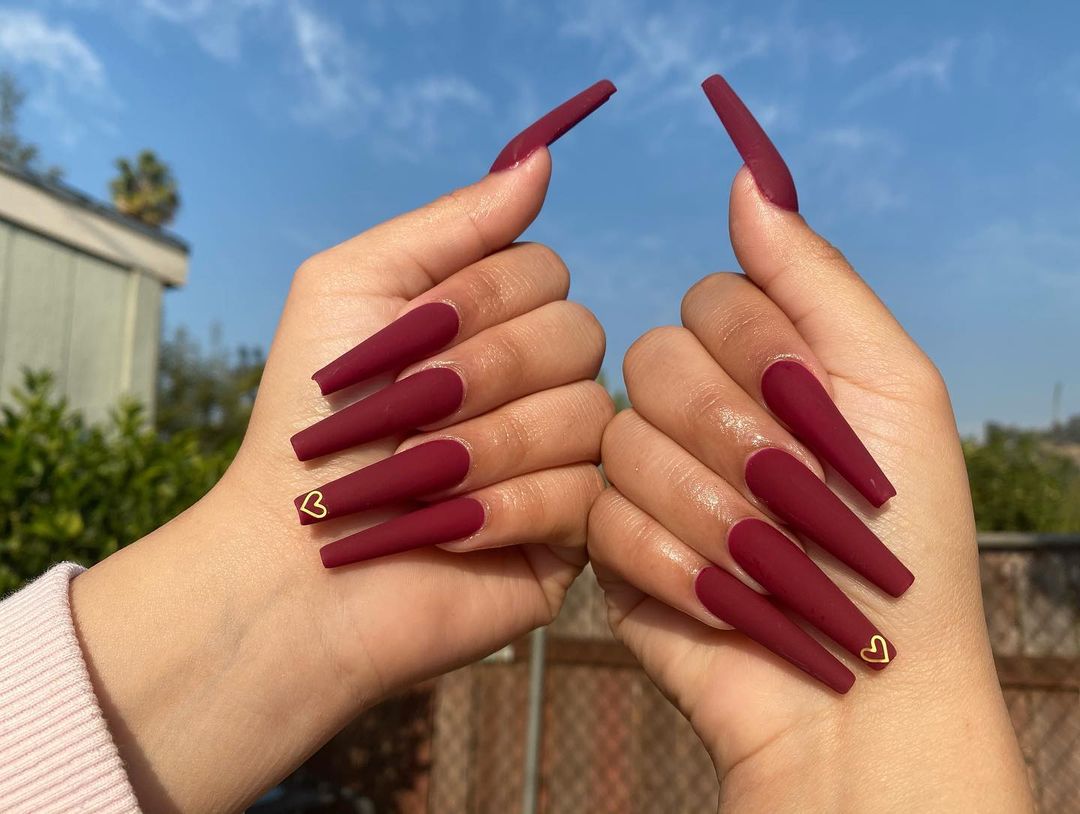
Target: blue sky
[935,143]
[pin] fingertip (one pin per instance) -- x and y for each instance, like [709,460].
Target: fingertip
[509,200]
[747,201]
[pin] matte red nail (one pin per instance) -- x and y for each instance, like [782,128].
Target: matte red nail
[420,399]
[753,615]
[762,159]
[806,503]
[407,339]
[442,523]
[421,470]
[797,398]
[550,127]
[785,571]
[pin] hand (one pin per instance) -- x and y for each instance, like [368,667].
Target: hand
[221,641]
[691,489]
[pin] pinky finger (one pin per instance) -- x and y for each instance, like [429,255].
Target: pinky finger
[550,507]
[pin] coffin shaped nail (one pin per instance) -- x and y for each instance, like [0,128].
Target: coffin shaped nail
[408,339]
[423,398]
[421,470]
[762,158]
[786,572]
[441,523]
[806,503]
[797,398]
[753,615]
[550,127]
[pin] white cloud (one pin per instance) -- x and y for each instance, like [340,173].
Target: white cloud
[665,55]
[65,80]
[337,70]
[217,25]
[27,39]
[932,68]
[334,68]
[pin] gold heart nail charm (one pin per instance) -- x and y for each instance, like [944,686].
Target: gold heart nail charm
[314,506]
[877,652]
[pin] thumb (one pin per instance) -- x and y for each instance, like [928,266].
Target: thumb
[429,244]
[412,252]
[834,310]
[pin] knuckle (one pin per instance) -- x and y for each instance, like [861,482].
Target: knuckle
[825,253]
[596,402]
[312,268]
[545,261]
[708,288]
[514,435]
[509,358]
[708,405]
[649,348]
[928,380]
[593,484]
[590,328]
[616,434]
[602,514]
[485,287]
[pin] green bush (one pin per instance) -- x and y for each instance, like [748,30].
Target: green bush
[70,491]
[1021,481]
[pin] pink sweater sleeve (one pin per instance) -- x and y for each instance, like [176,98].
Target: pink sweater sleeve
[56,754]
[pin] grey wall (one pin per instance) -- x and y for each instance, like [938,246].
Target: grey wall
[93,323]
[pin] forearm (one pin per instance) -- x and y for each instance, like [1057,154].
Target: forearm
[187,637]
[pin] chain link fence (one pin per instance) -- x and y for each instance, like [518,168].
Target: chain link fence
[586,731]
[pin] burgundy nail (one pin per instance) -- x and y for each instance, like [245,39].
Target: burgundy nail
[785,571]
[404,341]
[550,127]
[753,615]
[797,398]
[442,523]
[421,470]
[763,159]
[412,402]
[806,503]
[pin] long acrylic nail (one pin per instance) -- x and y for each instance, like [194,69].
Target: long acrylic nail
[423,398]
[785,571]
[550,127]
[753,615]
[797,398]
[442,523]
[421,470]
[806,503]
[406,340]
[762,158]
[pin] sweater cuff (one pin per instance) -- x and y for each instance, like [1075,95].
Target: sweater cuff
[56,754]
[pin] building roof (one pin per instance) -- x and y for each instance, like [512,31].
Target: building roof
[77,197]
[62,213]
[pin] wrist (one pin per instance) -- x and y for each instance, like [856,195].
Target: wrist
[907,748]
[203,645]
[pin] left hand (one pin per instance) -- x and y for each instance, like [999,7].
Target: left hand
[220,639]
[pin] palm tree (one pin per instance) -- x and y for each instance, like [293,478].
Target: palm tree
[145,191]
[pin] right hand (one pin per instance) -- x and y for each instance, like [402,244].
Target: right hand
[930,732]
